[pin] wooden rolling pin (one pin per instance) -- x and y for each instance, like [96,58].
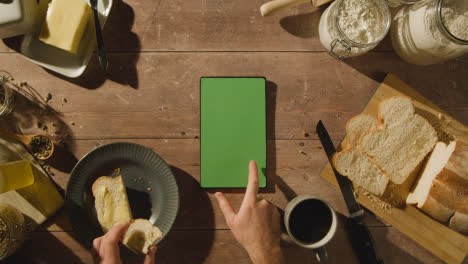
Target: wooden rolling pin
[275,6]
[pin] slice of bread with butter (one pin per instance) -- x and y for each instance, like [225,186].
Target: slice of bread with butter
[113,208]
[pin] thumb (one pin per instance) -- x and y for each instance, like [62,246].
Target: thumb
[225,206]
[149,258]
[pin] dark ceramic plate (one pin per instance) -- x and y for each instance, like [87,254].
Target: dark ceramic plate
[151,187]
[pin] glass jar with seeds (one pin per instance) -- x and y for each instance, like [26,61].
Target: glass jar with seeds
[7,97]
[12,230]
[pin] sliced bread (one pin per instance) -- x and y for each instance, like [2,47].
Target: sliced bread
[141,235]
[400,145]
[111,202]
[442,190]
[356,165]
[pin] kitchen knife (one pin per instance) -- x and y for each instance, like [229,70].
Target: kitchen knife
[363,242]
[100,39]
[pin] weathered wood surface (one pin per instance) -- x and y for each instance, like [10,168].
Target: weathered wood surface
[209,246]
[157,51]
[210,25]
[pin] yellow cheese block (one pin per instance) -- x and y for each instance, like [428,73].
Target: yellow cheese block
[65,23]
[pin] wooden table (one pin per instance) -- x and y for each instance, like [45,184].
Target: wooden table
[157,51]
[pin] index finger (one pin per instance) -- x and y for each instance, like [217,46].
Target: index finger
[116,233]
[252,187]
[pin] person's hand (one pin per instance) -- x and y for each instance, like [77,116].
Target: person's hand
[106,248]
[257,225]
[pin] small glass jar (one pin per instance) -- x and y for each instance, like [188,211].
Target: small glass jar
[396,3]
[431,32]
[7,97]
[350,28]
[12,230]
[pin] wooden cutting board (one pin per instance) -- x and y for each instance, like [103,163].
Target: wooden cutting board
[447,244]
[38,201]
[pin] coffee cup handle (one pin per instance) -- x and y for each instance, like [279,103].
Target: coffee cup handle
[321,255]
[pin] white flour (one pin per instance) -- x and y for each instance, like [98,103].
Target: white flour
[361,21]
[417,38]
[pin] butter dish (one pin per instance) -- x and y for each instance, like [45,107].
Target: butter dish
[61,61]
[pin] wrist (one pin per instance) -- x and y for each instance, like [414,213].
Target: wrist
[266,256]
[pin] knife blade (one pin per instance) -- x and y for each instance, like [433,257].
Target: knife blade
[363,242]
[99,38]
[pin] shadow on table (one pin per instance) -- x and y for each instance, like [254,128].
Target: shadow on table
[44,247]
[192,236]
[118,36]
[303,25]
[32,115]
[446,84]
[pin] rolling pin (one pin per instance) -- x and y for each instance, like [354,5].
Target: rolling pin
[275,6]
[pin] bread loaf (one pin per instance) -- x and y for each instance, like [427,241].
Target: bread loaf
[111,202]
[141,235]
[356,165]
[400,145]
[442,190]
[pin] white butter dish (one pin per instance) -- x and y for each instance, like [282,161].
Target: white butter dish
[60,61]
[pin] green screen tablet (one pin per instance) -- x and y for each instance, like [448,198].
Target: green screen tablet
[233,130]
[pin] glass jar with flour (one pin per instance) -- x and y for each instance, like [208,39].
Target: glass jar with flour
[350,28]
[395,3]
[431,32]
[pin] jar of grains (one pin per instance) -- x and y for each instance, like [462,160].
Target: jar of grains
[350,28]
[431,32]
[395,3]
[12,230]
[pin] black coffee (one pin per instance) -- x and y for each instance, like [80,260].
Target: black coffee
[310,221]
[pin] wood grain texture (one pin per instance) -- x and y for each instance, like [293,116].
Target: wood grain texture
[210,25]
[157,51]
[451,246]
[208,246]
[303,88]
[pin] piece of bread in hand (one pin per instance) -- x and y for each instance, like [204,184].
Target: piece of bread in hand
[355,164]
[402,142]
[141,235]
[111,202]
[442,190]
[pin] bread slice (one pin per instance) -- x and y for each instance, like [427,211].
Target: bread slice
[111,202]
[400,145]
[442,190]
[356,165]
[141,235]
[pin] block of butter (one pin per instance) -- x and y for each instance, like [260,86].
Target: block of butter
[65,24]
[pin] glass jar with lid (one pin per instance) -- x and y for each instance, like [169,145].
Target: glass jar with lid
[431,31]
[350,28]
[12,230]
[395,3]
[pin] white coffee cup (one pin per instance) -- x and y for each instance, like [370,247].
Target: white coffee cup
[317,206]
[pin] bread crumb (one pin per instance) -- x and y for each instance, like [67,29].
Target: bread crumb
[117,171]
[302,152]
[304,133]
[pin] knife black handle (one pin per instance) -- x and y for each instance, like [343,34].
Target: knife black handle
[363,243]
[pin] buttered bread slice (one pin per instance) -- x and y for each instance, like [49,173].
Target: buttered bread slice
[111,202]
[141,235]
